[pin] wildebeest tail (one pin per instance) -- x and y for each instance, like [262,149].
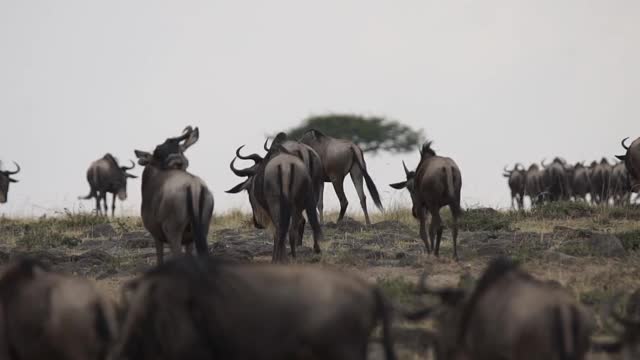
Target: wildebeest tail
[105,331]
[383,311]
[373,190]
[197,226]
[91,195]
[285,209]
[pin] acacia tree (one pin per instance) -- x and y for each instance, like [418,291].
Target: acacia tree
[372,134]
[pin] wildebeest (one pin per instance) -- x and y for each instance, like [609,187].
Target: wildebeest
[601,182]
[46,315]
[176,206]
[555,180]
[202,309]
[620,185]
[626,345]
[510,316]
[435,183]
[105,175]
[339,158]
[517,180]
[581,182]
[310,158]
[5,180]
[632,162]
[280,189]
[533,185]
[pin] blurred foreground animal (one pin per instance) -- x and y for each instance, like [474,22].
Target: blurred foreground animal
[339,158]
[176,206]
[203,309]
[509,316]
[435,183]
[105,175]
[46,315]
[280,189]
[626,345]
[5,180]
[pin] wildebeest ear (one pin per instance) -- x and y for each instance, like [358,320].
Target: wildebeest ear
[144,158]
[621,157]
[13,180]
[192,139]
[400,185]
[238,188]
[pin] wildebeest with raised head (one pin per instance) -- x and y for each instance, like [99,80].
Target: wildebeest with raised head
[339,158]
[310,158]
[601,182]
[176,206]
[105,175]
[517,178]
[46,315]
[435,183]
[533,185]
[280,189]
[581,182]
[5,180]
[510,316]
[555,180]
[632,162]
[202,309]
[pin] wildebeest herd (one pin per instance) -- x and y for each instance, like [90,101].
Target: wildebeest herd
[207,308]
[599,182]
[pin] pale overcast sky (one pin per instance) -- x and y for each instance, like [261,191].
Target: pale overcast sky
[491,82]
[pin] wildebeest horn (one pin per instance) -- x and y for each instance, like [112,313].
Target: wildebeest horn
[520,166]
[185,134]
[266,141]
[617,317]
[543,164]
[506,171]
[242,172]
[254,157]
[131,167]
[623,143]
[13,172]
[406,171]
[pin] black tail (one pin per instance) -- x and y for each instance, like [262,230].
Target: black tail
[91,195]
[383,312]
[103,332]
[285,212]
[373,190]
[197,227]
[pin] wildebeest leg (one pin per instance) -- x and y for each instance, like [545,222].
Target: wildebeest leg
[294,233]
[357,178]
[300,230]
[173,237]
[189,248]
[98,209]
[435,231]
[321,201]
[113,205]
[159,252]
[422,217]
[104,203]
[513,197]
[338,185]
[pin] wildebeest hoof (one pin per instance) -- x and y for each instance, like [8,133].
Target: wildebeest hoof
[316,249]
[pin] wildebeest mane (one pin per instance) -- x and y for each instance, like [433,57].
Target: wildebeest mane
[426,149]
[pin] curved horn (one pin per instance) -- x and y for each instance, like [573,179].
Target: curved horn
[129,168]
[543,164]
[617,317]
[506,170]
[185,134]
[266,141]
[255,157]
[623,143]
[242,172]
[406,171]
[13,172]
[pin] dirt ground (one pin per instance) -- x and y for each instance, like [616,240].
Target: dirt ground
[594,256]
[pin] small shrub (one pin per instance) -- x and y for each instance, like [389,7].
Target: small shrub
[564,209]
[485,219]
[630,239]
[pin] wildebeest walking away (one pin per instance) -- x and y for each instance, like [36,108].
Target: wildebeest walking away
[176,206]
[226,311]
[517,180]
[339,158]
[280,189]
[5,180]
[435,183]
[105,175]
